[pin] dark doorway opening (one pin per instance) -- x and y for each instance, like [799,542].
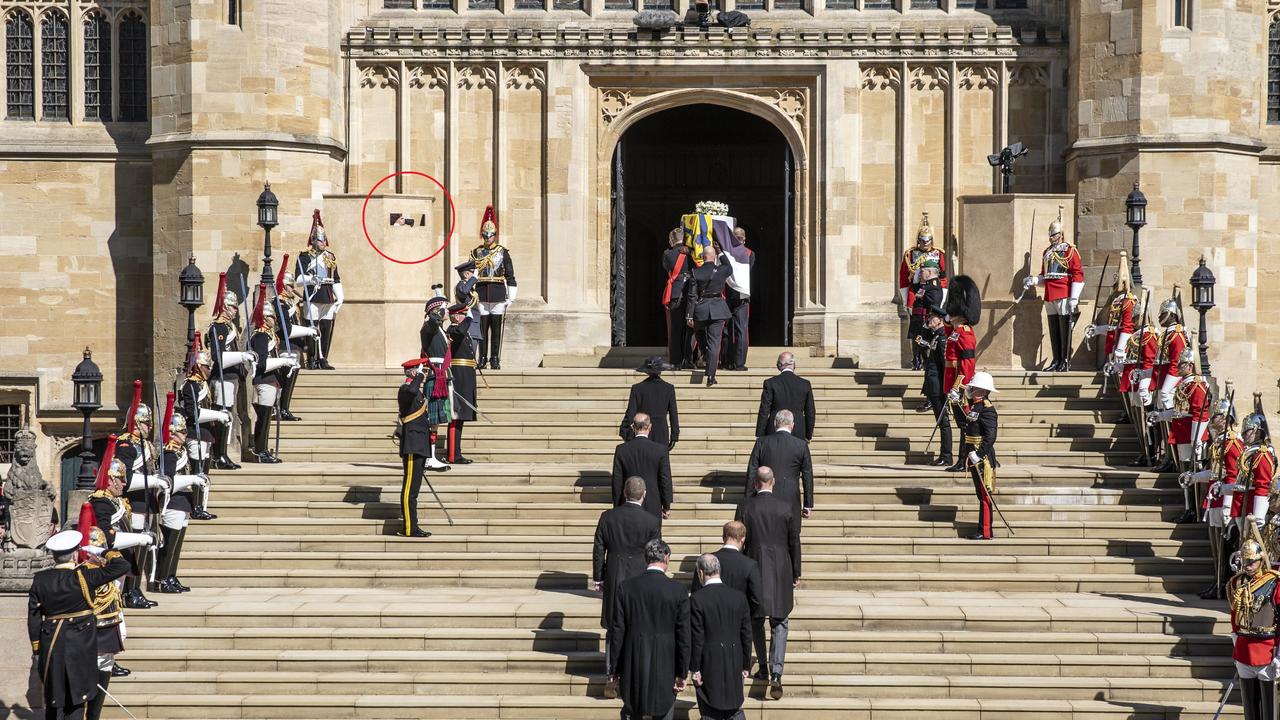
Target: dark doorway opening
[664,165]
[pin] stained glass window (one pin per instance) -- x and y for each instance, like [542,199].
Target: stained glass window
[19,38]
[97,67]
[133,68]
[1273,72]
[53,66]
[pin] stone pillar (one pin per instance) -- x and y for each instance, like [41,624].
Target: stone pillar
[1002,238]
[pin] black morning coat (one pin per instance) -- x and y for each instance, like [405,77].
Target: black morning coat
[69,663]
[788,456]
[618,552]
[704,293]
[720,644]
[738,572]
[787,391]
[415,433]
[649,642]
[656,398]
[773,541]
[644,458]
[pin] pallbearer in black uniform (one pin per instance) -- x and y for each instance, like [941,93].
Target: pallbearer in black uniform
[739,314]
[496,286]
[464,293]
[232,366]
[705,308]
[62,627]
[317,269]
[978,449]
[415,442]
[676,264]
[719,643]
[462,368]
[656,398]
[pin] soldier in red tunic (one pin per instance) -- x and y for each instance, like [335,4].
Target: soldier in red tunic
[1219,503]
[1173,341]
[910,278]
[963,308]
[1189,421]
[1119,326]
[1140,360]
[1252,595]
[1062,275]
[1257,464]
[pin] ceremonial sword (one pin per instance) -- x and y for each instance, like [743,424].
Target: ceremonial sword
[1031,248]
[126,710]
[1097,296]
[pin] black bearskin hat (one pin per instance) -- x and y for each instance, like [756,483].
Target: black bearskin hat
[963,299]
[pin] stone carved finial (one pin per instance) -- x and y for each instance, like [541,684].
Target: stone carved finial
[29,499]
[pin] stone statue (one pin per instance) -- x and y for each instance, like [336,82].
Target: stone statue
[29,497]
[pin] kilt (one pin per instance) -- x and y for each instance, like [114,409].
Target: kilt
[438,411]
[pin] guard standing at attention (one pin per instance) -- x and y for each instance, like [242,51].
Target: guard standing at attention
[496,287]
[317,269]
[1062,275]
[911,277]
[1252,595]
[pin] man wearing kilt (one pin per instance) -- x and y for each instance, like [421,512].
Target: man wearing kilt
[435,348]
[462,368]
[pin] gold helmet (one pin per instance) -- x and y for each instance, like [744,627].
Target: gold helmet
[117,469]
[924,236]
[1172,308]
[1055,227]
[1250,551]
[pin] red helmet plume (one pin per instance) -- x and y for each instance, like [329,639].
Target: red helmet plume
[85,525]
[284,268]
[107,457]
[193,353]
[131,419]
[259,316]
[168,417]
[490,222]
[317,228]
[219,304]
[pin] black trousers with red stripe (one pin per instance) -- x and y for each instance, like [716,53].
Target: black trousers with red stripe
[984,502]
[453,449]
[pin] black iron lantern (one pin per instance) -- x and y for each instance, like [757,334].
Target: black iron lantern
[87,380]
[1135,216]
[191,284]
[1202,284]
[267,205]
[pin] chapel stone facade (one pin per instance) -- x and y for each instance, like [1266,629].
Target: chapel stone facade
[884,110]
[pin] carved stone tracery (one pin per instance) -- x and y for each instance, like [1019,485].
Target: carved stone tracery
[380,76]
[881,77]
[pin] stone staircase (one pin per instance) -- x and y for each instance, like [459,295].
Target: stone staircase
[305,606]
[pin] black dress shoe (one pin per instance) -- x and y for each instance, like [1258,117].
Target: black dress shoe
[225,465]
[1165,468]
[417,533]
[1188,516]
[495,364]
[761,674]
[324,365]
[775,686]
[178,582]
[976,536]
[1209,593]
[118,671]
[482,363]
[1139,461]
[943,460]
[461,461]
[168,586]
[135,600]
[711,381]
[958,467]
[286,415]
[924,407]
[202,514]
[268,458]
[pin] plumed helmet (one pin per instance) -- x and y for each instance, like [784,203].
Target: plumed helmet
[177,424]
[1055,227]
[117,469]
[964,299]
[107,457]
[1123,281]
[489,225]
[1257,420]
[1188,356]
[261,311]
[924,236]
[204,359]
[317,229]
[1251,551]
[1172,308]
[1226,404]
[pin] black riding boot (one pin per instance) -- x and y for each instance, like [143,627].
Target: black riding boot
[168,560]
[495,344]
[326,339]
[1055,342]
[261,429]
[286,397]
[222,438]
[1064,322]
[485,323]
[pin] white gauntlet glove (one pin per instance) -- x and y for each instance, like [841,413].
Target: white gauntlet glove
[217,416]
[1030,281]
[511,294]
[300,331]
[338,297]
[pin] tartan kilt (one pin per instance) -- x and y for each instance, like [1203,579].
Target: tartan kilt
[438,411]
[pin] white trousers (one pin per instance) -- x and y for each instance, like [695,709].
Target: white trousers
[1058,307]
[493,308]
[265,394]
[174,519]
[1265,673]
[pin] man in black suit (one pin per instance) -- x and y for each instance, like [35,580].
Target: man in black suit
[773,541]
[62,626]
[789,457]
[736,569]
[656,398]
[644,458]
[705,309]
[720,643]
[618,555]
[676,264]
[649,640]
[786,391]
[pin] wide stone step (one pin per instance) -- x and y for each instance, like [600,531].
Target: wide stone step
[741,405]
[802,686]
[209,540]
[538,707]
[816,374]
[1113,577]
[383,410]
[822,524]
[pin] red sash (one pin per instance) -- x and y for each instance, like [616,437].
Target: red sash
[675,272]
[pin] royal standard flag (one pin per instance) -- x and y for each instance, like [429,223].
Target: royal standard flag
[700,228]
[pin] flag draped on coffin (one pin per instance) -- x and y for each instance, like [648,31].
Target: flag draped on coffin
[699,228]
